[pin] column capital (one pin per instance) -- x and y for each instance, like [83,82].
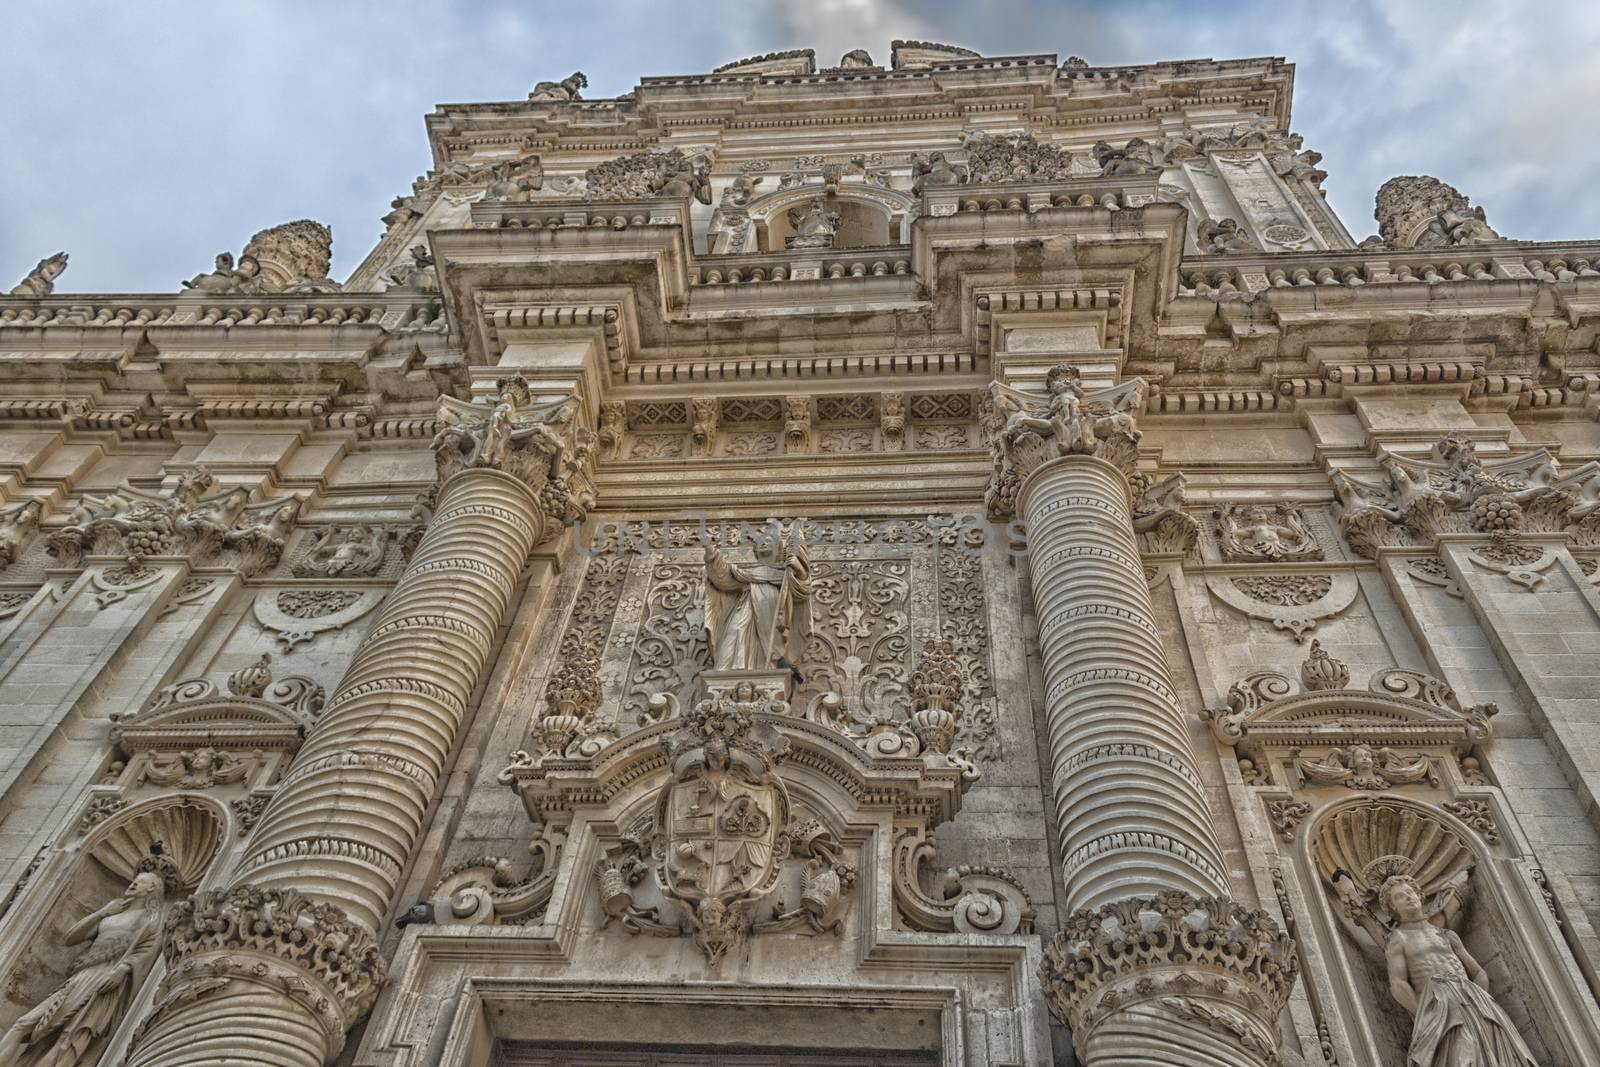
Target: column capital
[540,443]
[1025,432]
[273,937]
[1175,956]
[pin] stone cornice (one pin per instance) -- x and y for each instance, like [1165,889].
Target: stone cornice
[711,104]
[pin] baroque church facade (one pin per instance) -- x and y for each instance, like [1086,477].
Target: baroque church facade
[955,561]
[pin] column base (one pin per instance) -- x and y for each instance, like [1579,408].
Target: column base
[1172,979]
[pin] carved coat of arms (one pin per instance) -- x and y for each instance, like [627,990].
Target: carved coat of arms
[722,822]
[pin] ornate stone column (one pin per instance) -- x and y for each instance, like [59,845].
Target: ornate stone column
[1156,966]
[275,969]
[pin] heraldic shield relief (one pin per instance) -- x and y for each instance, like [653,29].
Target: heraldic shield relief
[723,821]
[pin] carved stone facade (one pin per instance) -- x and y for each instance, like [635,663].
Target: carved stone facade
[813,564]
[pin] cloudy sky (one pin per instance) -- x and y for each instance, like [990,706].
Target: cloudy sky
[145,137]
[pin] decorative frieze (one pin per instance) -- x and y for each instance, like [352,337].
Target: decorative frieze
[132,522]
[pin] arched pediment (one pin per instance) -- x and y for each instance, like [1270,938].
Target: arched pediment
[1398,707]
[256,713]
[781,200]
[820,762]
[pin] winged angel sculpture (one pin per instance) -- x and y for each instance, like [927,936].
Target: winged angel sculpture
[538,442]
[1026,432]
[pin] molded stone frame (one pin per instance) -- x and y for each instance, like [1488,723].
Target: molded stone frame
[981,987]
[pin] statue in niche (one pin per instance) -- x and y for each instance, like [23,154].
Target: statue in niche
[124,940]
[814,227]
[1456,1023]
[41,280]
[758,615]
[227,278]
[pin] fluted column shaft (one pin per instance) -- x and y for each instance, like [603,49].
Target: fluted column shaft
[1129,804]
[341,829]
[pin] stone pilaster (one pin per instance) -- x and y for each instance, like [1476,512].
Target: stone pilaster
[1156,965]
[274,970]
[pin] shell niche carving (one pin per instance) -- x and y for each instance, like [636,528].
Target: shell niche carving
[1373,841]
[184,832]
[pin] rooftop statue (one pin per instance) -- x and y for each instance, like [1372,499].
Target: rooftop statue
[564,90]
[227,278]
[41,280]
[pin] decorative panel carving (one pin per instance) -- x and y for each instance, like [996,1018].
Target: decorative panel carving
[881,587]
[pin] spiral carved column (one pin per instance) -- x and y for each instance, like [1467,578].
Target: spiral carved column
[1156,965]
[273,971]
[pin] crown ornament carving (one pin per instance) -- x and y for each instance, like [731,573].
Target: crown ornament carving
[1398,707]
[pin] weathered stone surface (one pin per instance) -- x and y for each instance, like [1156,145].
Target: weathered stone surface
[883,640]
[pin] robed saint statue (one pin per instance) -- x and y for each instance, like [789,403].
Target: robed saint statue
[758,615]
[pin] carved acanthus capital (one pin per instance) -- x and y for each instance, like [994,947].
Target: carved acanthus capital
[1158,513]
[1205,958]
[1454,490]
[131,522]
[273,937]
[1025,432]
[539,443]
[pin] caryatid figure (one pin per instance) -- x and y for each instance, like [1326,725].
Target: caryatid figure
[758,615]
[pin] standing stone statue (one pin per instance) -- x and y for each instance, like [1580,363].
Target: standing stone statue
[1456,1023]
[41,280]
[125,938]
[758,615]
